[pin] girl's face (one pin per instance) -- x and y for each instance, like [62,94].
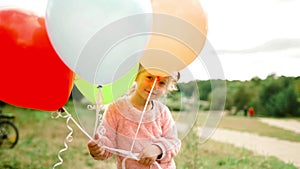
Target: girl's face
[145,81]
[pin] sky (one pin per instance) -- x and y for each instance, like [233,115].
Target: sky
[252,38]
[255,37]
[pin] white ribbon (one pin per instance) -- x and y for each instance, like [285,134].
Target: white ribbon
[128,154]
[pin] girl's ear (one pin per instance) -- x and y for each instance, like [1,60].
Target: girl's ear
[132,89]
[136,79]
[137,76]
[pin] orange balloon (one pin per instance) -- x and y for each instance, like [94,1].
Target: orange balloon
[178,35]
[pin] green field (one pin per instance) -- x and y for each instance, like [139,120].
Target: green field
[42,137]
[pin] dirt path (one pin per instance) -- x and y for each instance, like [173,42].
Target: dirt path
[285,150]
[292,125]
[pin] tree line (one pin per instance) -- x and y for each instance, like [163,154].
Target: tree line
[274,96]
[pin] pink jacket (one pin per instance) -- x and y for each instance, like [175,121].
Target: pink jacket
[121,120]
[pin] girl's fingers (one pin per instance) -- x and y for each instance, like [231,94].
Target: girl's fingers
[96,137]
[102,151]
[99,151]
[146,161]
[94,147]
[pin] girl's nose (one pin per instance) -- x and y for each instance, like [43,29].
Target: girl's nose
[157,80]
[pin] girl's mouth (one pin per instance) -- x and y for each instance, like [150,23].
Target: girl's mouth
[153,93]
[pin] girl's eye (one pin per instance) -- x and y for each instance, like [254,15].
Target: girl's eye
[162,83]
[150,78]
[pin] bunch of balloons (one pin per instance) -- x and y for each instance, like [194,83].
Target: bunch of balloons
[93,42]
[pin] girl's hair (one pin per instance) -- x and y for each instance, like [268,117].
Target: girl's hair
[171,81]
[174,75]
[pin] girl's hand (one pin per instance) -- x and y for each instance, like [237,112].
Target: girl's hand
[96,151]
[149,154]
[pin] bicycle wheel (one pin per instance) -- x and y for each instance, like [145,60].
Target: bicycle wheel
[9,134]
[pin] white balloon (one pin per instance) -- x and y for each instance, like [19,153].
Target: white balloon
[84,33]
[125,42]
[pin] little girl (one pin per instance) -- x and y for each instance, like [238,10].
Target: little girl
[154,140]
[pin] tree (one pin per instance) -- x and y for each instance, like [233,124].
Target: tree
[279,98]
[204,89]
[242,97]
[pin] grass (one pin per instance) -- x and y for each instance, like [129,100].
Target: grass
[298,119]
[41,138]
[212,155]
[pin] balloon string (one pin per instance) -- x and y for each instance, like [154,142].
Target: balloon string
[99,100]
[130,154]
[74,121]
[136,158]
[143,112]
[68,139]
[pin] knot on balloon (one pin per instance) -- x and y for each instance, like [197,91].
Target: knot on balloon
[60,113]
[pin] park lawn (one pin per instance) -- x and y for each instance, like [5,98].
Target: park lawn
[42,137]
[216,155]
[297,118]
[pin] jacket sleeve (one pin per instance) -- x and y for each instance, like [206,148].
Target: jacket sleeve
[168,142]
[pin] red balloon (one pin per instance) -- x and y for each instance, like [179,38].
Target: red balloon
[32,74]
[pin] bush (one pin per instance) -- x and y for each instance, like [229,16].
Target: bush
[279,98]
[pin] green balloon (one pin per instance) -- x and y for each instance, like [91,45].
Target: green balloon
[110,92]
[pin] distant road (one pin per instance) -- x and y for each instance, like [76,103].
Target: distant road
[287,151]
[290,124]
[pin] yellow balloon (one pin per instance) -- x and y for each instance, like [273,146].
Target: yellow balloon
[178,35]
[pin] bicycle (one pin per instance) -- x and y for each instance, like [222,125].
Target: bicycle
[9,134]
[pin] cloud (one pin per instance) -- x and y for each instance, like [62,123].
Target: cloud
[270,46]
